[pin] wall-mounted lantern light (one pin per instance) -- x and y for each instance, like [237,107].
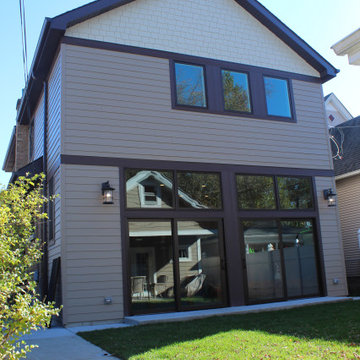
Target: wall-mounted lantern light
[107,193]
[330,196]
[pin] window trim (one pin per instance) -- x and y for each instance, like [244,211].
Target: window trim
[174,87]
[143,193]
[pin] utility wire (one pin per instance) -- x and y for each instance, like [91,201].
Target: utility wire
[23,39]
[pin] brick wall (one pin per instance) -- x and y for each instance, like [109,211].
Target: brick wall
[219,29]
[21,146]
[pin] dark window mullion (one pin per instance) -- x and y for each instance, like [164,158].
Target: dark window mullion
[277,195]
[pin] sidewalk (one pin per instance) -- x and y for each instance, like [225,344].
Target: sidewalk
[63,344]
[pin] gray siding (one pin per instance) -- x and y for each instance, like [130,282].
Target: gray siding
[55,245]
[119,105]
[91,251]
[54,114]
[331,238]
[348,191]
[39,130]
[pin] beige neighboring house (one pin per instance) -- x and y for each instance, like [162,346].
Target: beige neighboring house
[349,46]
[346,154]
[336,112]
[188,143]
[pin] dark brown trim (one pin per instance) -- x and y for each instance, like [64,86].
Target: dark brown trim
[319,243]
[95,44]
[191,166]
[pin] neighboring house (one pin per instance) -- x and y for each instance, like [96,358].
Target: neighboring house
[346,153]
[349,46]
[205,121]
[336,112]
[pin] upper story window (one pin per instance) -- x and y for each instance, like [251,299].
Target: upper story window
[190,85]
[217,87]
[277,97]
[236,91]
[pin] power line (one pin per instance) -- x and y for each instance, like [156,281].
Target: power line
[23,38]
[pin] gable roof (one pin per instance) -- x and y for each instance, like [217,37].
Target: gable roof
[347,136]
[54,28]
[339,106]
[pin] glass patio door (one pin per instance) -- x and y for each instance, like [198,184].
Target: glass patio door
[178,271]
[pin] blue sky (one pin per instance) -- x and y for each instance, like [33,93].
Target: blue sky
[320,23]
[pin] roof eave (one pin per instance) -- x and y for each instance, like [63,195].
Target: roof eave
[10,153]
[304,50]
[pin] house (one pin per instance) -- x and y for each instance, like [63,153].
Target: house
[346,154]
[187,141]
[336,112]
[349,46]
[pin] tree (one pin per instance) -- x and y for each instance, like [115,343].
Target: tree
[21,310]
[236,97]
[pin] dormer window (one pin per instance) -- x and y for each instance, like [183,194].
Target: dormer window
[150,195]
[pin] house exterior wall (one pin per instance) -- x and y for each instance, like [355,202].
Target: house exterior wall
[38,130]
[218,29]
[91,250]
[332,246]
[348,191]
[131,95]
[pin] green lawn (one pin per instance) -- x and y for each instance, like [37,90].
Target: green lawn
[330,331]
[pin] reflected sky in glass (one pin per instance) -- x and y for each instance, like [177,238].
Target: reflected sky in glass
[190,85]
[277,97]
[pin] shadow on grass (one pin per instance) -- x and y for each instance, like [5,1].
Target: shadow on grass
[334,322]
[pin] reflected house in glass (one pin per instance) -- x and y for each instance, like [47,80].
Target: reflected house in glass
[216,151]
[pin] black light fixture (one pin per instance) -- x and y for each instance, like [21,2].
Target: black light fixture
[107,193]
[330,196]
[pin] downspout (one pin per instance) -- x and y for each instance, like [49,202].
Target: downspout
[45,258]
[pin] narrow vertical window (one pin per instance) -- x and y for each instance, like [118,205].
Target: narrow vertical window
[277,97]
[236,91]
[190,85]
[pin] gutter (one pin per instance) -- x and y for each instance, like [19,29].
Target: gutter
[347,175]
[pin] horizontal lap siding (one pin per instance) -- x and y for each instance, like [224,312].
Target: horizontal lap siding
[92,250]
[348,191]
[331,239]
[54,114]
[55,244]
[119,105]
[39,130]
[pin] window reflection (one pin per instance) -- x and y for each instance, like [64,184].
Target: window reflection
[199,190]
[151,263]
[295,193]
[299,257]
[190,85]
[149,189]
[277,97]
[263,260]
[255,192]
[236,91]
[199,265]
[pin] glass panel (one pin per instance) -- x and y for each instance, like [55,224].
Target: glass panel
[149,188]
[200,271]
[263,260]
[199,190]
[299,257]
[190,85]
[255,192]
[277,97]
[151,264]
[295,193]
[236,91]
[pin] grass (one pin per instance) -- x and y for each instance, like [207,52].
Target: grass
[330,331]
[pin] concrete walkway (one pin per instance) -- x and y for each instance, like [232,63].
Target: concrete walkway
[64,344]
